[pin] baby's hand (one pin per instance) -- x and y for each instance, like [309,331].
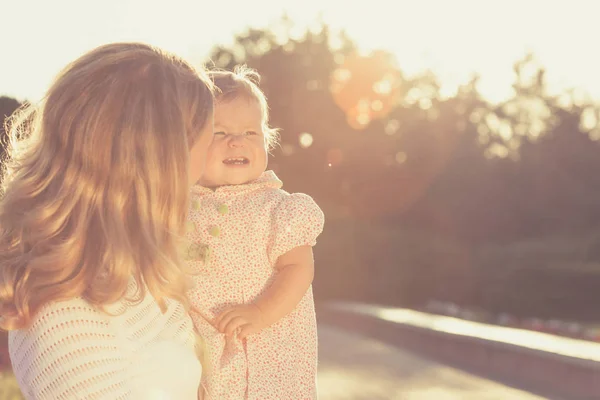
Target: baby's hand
[245,319]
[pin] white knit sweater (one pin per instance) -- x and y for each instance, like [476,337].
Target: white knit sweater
[74,351]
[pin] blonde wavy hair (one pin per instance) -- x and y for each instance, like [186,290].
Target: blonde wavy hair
[244,82]
[95,186]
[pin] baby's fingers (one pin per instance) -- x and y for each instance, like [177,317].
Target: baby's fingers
[246,330]
[225,318]
[234,324]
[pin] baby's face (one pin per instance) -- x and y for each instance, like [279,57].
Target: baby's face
[238,153]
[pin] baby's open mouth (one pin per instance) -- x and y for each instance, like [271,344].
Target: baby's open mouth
[236,161]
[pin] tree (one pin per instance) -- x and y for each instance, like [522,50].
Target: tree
[8,106]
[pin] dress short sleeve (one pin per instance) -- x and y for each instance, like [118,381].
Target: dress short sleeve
[297,221]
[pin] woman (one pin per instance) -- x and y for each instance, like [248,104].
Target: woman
[93,208]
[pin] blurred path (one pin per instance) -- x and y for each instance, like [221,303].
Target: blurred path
[359,368]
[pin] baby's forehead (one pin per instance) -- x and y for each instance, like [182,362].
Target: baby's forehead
[240,97]
[239,107]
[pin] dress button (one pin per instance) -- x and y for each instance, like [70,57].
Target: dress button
[223,209]
[215,231]
[195,204]
[197,252]
[190,227]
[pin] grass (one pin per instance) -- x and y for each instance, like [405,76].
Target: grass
[9,390]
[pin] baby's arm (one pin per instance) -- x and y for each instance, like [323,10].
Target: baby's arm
[296,223]
[294,277]
[296,270]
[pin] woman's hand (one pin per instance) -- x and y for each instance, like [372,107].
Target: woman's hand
[244,319]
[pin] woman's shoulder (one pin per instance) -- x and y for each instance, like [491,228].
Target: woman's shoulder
[61,319]
[69,310]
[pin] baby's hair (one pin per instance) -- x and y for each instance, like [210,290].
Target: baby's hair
[244,82]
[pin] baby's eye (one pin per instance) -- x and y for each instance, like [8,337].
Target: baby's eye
[219,133]
[251,133]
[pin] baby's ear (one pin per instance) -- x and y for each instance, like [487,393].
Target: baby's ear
[271,137]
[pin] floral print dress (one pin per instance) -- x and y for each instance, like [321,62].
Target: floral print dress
[236,234]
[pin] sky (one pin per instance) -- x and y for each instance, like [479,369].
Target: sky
[454,38]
